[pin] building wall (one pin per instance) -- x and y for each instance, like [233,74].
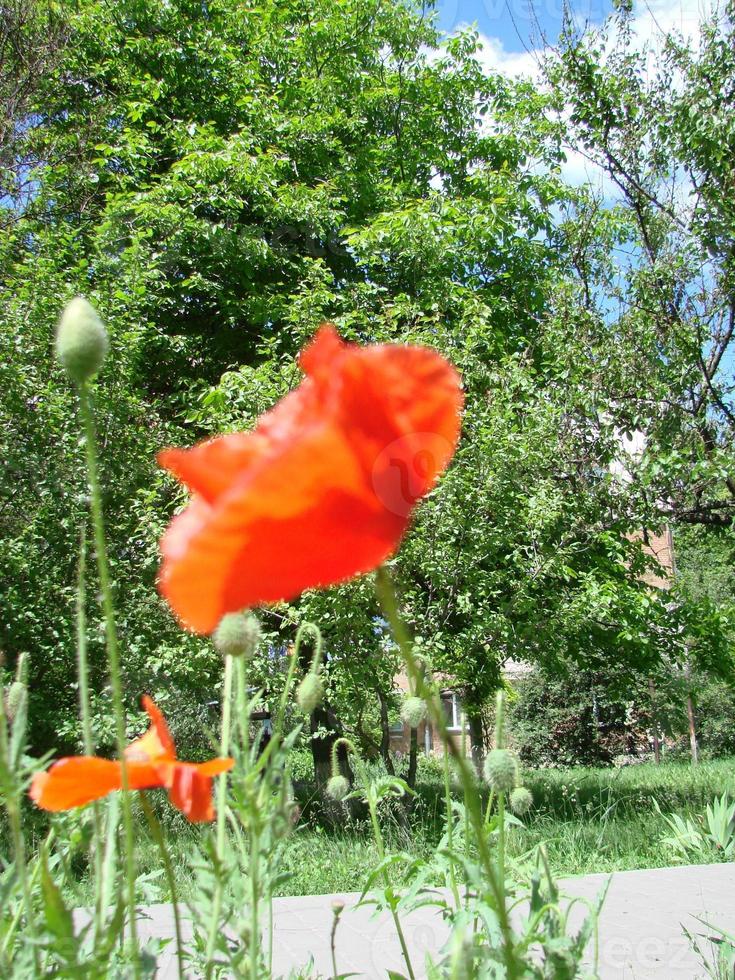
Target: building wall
[429,741]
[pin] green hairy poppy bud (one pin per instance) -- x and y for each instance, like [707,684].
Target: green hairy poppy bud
[520,800]
[413,712]
[81,340]
[237,635]
[338,787]
[14,697]
[310,693]
[21,669]
[501,770]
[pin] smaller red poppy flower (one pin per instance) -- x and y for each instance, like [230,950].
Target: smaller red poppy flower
[150,762]
[321,490]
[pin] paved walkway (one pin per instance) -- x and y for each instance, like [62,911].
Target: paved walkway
[640,933]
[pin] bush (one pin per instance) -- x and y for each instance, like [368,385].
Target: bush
[572,720]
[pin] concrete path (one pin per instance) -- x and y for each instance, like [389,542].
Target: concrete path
[640,933]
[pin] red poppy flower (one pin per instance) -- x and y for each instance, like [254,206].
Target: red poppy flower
[321,490]
[150,762]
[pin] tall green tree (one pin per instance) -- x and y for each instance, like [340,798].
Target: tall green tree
[218,179]
[654,305]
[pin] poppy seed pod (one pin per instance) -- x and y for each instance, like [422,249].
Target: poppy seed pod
[310,693]
[413,712]
[501,770]
[81,340]
[338,787]
[237,635]
[521,800]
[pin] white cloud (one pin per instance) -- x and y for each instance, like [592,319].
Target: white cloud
[655,18]
[516,64]
[652,20]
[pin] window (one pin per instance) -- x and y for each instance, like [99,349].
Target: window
[396,727]
[453,710]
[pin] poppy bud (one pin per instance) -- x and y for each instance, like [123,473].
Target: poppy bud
[21,668]
[501,770]
[520,800]
[237,635]
[310,693]
[413,712]
[81,340]
[14,697]
[338,787]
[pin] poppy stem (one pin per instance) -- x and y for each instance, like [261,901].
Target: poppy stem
[86,719]
[387,597]
[450,829]
[224,750]
[11,792]
[157,832]
[389,892]
[113,656]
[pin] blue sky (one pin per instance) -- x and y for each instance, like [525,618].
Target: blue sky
[512,29]
[512,22]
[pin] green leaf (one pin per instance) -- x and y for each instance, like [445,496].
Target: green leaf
[58,917]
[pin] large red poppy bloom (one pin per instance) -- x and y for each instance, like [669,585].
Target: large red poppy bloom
[150,762]
[321,490]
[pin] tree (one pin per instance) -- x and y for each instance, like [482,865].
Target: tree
[654,304]
[218,179]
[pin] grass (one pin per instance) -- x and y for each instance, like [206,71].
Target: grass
[590,820]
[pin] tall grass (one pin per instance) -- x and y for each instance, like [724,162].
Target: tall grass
[589,819]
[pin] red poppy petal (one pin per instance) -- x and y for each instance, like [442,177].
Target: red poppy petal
[157,742]
[210,467]
[191,792]
[215,766]
[77,780]
[243,551]
[340,463]
[320,354]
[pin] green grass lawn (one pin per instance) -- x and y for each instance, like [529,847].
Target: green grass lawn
[588,819]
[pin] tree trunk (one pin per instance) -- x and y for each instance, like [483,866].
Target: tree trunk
[385,734]
[413,755]
[477,740]
[323,718]
[654,722]
[692,731]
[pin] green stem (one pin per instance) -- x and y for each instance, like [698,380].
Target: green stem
[466,790]
[224,748]
[281,716]
[12,807]
[500,744]
[82,662]
[15,922]
[489,807]
[113,658]
[387,597]
[501,833]
[243,715]
[254,897]
[157,832]
[388,887]
[86,719]
[336,913]
[450,830]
